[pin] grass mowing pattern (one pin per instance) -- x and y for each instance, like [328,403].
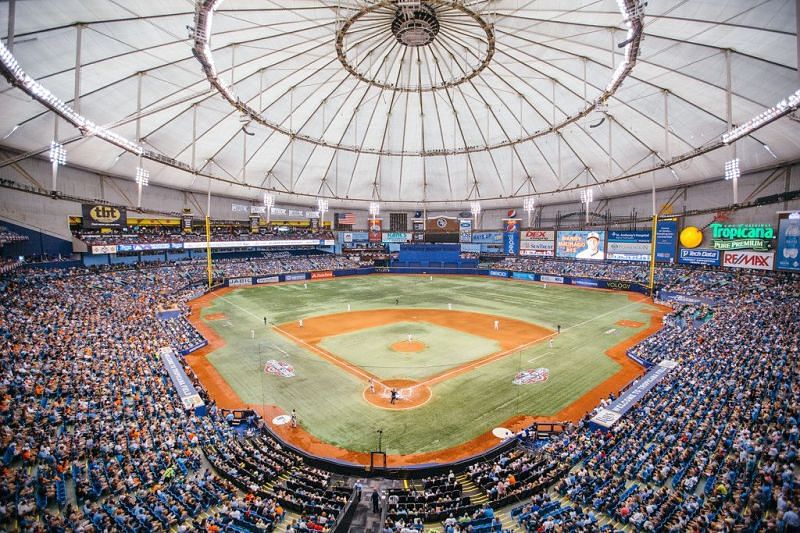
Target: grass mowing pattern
[329,401]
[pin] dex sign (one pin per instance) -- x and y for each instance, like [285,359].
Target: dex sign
[742,236]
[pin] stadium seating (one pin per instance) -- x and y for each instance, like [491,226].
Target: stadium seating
[87,409]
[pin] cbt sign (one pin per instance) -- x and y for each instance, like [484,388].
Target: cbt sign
[753,260]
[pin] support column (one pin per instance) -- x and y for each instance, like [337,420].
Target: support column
[76,99]
[729,116]
[12,15]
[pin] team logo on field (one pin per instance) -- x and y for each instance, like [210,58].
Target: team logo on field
[282,369]
[532,375]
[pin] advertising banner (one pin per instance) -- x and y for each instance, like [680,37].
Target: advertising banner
[268,279]
[498,273]
[472,248]
[489,237]
[741,236]
[419,236]
[584,282]
[347,237]
[789,243]
[294,277]
[465,230]
[578,244]
[103,216]
[375,230]
[396,237]
[747,259]
[148,247]
[666,240]
[441,224]
[511,236]
[321,274]
[104,249]
[538,242]
[186,222]
[253,244]
[551,279]
[629,245]
[699,256]
[239,282]
[669,296]
[527,276]
[183,386]
[607,416]
[360,236]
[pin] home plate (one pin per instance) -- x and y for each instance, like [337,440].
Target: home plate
[502,433]
[281,420]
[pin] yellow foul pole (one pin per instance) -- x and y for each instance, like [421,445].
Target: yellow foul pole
[208,252]
[653,255]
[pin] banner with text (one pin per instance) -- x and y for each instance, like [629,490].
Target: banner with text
[465,230]
[511,236]
[538,242]
[184,387]
[103,216]
[666,241]
[629,245]
[746,259]
[376,230]
[699,256]
[578,244]
[789,243]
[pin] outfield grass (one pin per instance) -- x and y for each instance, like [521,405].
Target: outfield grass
[329,400]
[445,348]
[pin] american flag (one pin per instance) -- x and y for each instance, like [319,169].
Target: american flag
[347,219]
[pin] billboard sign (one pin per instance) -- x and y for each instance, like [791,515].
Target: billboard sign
[666,238]
[699,256]
[103,216]
[321,274]
[491,237]
[294,277]
[538,242]
[578,244]
[498,273]
[551,279]
[465,230]
[268,279]
[749,259]
[396,237]
[104,249]
[375,230]
[789,243]
[741,236]
[629,245]
[511,236]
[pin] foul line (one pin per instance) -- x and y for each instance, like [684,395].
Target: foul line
[338,362]
[500,355]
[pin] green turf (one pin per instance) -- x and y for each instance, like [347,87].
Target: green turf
[329,400]
[445,348]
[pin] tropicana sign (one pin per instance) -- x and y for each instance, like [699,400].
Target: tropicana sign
[742,236]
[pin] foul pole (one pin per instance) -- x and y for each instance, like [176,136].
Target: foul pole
[653,255]
[209,268]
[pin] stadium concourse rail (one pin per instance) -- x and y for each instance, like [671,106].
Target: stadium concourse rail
[423,470]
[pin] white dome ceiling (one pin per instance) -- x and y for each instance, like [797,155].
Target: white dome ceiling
[462,101]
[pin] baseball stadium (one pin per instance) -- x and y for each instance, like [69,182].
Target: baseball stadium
[399,266]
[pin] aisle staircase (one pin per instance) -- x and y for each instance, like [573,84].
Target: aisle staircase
[476,495]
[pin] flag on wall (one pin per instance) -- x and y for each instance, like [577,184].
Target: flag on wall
[347,218]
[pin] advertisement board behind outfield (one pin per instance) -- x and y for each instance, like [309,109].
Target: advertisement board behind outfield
[321,274]
[754,260]
[498,273]
[268,279]
[239,282]
[699,256]
[294,277]
[551,279]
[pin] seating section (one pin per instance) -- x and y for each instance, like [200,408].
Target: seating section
[94,437]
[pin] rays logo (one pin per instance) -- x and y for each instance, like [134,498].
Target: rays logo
[282,369]
[531,375]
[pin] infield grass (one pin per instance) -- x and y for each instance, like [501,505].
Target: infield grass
[329,401]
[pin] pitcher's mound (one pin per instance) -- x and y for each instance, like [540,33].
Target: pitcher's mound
[406,346]
[410,394]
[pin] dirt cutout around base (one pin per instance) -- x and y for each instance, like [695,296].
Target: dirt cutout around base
[629,323]
[410,394]
[408,346]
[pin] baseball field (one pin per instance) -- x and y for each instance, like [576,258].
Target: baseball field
[464,355]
